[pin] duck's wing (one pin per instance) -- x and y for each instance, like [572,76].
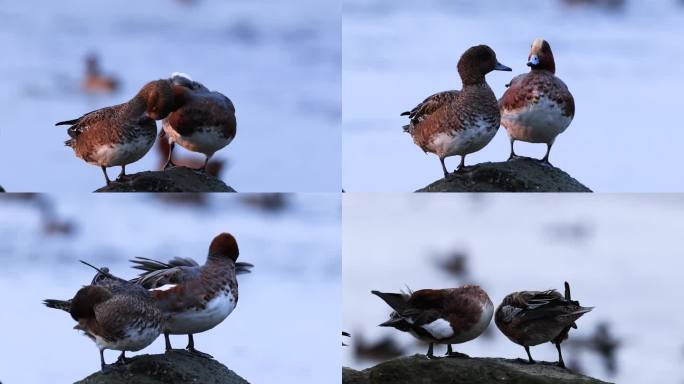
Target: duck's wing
[548,304]
[157,274]
[430,105]
[114,316]
[81,124]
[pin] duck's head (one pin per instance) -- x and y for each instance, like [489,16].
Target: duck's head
[476,62]
[541,57]
[224,246]
[158,96]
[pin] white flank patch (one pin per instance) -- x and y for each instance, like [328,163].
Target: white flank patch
[195,321]
[121,154]
[536,123]
[466,141]
[181,74]
[134,340]
[439,329]
[207,141]
[164,287]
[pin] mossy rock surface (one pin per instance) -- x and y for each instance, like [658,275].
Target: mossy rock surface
[175,179]
[169,368]
[419,369]
[519,175]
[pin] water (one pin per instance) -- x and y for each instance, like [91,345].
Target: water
[625,262]
[278,62]
[268,338]
[621,66]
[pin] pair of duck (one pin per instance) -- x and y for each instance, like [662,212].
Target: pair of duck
[456,315]
[193,117]
[175,298]
[535,108]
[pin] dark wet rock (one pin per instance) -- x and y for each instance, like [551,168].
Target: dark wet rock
[176,179]
[168,368]
[519,175]
[2,189]
[419,369]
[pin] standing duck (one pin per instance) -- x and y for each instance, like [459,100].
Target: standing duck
[537,106]
[459,122]
[115,314]
[121,134]
[194,298]
[530,318]
[442,316]
[203,121]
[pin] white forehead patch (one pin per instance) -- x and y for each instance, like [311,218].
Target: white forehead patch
[181,74]
[537,44]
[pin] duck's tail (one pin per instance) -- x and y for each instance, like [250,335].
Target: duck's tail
[242,268]
[64,305]
[395,300]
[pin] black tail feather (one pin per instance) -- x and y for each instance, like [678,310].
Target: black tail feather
[67,122]
[64,305]
[394,300]
[242,267]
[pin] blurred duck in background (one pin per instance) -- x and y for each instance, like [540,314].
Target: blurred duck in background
[94,81]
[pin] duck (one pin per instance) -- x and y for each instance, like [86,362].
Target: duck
[203,121]
[121,134]
[530,318]
[537,106]
[440,316]
[114,313]
[459,122]
[194,298]
[94,80]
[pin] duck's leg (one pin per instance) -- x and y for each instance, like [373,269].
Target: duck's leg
[191,348]
[529,356]
[105,368]
[451,353]
[513,155]
[561,363]
[122,358]
[206,161]
[430,355]
[168,342]
[461,165]
[122,175]
[169,162]
[545,159]
[104,170]
[446,173]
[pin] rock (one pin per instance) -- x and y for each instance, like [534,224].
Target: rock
[419,369]
[169,368]
[1,191]
[519,175]
[176,179]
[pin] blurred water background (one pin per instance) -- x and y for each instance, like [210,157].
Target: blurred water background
[279,62]
[286,325]
[620,254]
[620,59]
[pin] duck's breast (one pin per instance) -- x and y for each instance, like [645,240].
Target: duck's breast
[537,108]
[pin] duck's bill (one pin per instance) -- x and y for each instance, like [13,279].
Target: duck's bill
[501,67]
